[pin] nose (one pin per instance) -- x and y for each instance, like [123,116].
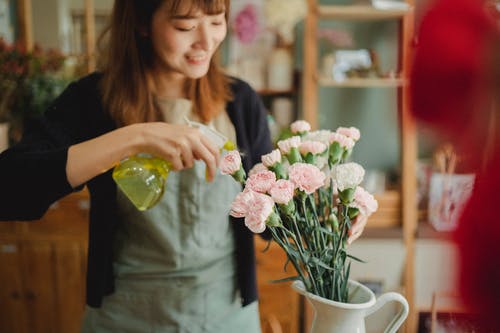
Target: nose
[204,39]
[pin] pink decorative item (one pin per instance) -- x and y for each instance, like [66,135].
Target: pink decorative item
[246,24]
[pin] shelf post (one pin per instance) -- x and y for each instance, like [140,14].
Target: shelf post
[90,35]
[310,84]
[408,166]
[24,14]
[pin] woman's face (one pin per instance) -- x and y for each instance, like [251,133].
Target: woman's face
[184,44]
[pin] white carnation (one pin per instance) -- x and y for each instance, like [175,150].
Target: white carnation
[286,145]
[347,175]
[319,135]
[284,14]
[272,158]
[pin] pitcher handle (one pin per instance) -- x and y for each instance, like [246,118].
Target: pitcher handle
[398,320]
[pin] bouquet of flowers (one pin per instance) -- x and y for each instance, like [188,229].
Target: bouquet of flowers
[309,198]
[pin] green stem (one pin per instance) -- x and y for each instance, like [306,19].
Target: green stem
[283,245]
[300,245]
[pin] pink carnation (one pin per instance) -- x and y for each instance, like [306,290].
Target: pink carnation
[239,206]
[282,191]
[306,177]
[364,201]
[313,147]
[230,162]
[344,141]
[256,169]
[286,145]
[261,207]
[261,181]
[351,132]
[300,126]
[272,158]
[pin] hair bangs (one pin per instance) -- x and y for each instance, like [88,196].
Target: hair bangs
[189,7]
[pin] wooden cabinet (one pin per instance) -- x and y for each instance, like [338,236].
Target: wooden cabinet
[313,81]
[279,305]
[42,270]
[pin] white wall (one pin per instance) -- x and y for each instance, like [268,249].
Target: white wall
[52,24]
[46,31]
[6,29]
[385,260]
[436,270]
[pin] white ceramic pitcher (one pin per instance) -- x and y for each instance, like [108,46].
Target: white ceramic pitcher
[338,317]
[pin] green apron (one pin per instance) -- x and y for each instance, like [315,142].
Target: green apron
[174,265]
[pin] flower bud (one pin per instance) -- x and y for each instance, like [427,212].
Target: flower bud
[346,196]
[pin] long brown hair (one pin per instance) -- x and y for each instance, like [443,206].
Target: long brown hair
[127,60]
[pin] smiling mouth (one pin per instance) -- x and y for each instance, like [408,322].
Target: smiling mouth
[197,59]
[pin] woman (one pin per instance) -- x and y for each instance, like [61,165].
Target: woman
[180,266]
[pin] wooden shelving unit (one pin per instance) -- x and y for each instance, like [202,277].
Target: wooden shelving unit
[361,83]
[312,82]
[273,92]
[43,268]
[359,12]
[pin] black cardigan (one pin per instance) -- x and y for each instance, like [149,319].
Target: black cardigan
[33,175]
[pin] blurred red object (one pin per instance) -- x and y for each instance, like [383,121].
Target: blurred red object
[451,68]
[455,87]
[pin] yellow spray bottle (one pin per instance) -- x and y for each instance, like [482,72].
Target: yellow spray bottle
[142,177]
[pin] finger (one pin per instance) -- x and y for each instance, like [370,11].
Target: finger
[186,155]
[358,224]
[353,237]
[357,228]
[174,156]
[204,154]
[212,148]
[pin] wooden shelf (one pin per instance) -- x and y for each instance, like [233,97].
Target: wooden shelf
[427,231]
[359,12]
[382,233]
[273,92]
[362,83]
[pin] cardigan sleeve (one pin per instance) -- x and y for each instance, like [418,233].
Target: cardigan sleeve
[33,172]
[249,116]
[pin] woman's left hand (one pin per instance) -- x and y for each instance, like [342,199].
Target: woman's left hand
[357,228]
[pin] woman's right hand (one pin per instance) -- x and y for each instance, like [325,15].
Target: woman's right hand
[181,145]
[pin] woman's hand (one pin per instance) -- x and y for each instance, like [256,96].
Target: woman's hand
[181,145]
[357,228]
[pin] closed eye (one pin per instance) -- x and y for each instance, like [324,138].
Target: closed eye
[185,28]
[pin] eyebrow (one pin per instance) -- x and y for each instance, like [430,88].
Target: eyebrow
[184,17]
[192,16]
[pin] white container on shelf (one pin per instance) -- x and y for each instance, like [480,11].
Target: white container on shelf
[280,69]
[252,71]
[448,195]
[282,110]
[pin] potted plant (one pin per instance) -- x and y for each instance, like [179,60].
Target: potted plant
[29,81]
[308,196]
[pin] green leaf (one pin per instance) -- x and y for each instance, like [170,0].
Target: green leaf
[356,259]
[267,246]
[320,263]
[290,278]
[286,263]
